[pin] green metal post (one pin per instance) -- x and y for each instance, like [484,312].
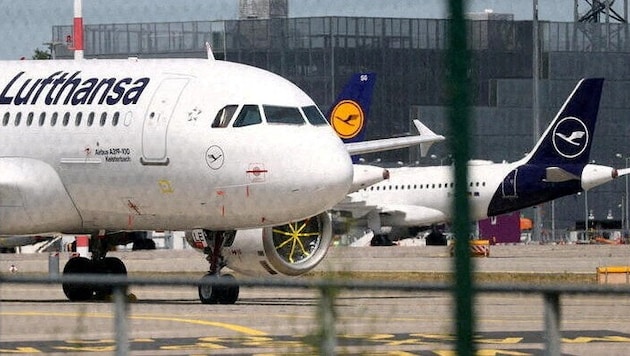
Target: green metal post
[458,89]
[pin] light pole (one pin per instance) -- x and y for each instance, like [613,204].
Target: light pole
[585,215]
[626,222]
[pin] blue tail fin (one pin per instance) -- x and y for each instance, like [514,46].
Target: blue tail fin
[349,112]
[568,138]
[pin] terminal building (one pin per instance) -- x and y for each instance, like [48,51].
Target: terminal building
[320,53]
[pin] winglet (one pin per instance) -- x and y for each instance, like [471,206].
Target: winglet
[209,51]
[424,132]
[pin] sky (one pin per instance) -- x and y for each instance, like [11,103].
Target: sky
[27,24]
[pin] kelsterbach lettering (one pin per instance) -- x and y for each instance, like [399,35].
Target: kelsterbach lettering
[64,88]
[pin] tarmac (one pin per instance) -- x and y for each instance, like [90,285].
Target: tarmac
[38,319]
[517,258]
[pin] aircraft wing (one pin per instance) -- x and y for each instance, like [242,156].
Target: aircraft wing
[425,139]
[397,214]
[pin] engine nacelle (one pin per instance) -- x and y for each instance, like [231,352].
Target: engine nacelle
[292,249]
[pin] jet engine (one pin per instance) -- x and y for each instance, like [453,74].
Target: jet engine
[292,249]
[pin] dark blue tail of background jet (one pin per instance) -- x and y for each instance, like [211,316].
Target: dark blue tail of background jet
[568,138]
[555,167]
[348,114]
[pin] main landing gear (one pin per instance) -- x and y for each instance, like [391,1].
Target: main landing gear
[98,264]
[227,291]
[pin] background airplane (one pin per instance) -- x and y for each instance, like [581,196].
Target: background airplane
[123,146]
[557,166]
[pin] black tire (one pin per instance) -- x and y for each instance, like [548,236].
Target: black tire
[109,265]
[78,292]
[208,293]
[228,294]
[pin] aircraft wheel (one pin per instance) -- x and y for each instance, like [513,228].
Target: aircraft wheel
[109,265]
[207,293]
[228,294]
[75,292]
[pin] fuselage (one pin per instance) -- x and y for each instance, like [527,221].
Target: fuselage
[139,145]
[416,196]
[428,191]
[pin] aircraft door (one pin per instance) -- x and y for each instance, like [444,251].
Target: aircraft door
[508,187]
[157,118]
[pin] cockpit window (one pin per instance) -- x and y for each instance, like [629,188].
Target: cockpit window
[249,115]
[224,115]
[314,116]
[283,115]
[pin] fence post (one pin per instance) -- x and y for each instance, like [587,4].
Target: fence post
[53,264]
[552,324]
[326,313]
[120,320]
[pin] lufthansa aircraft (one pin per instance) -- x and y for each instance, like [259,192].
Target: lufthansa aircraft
[557,166]
[109,147]
[296,248]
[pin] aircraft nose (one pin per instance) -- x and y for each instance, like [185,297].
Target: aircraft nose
[334,172]
[322,175]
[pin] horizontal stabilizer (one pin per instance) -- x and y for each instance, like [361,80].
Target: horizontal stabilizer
[557,175]
[209,52]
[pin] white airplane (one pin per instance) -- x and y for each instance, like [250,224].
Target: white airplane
[296,248]
[108,148]
[557,166]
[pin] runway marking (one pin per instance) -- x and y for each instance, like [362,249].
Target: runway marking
[234,327]
[489,343]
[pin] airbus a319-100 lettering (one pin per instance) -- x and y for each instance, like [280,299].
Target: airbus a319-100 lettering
[108,148]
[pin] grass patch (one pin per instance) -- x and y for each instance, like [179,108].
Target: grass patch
[435,277]
[420,277]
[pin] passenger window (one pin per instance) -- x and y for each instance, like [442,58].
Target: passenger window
[283,115]
[29,119]
[224,115]
[77,119]
[5,119]
[314,116]
[42,118]
[103,118]
[53,119]
[66,119]
[90,119]
[18,118]
[115,118]
[249,115]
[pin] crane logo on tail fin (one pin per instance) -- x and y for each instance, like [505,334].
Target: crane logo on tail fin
[347,119]
[570,137]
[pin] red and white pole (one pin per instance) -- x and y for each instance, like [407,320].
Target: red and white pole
[78,30]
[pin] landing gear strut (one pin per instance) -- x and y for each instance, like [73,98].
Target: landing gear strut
[223,293]
[98,264]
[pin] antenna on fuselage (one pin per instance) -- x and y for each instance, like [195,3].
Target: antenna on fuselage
[209,51]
